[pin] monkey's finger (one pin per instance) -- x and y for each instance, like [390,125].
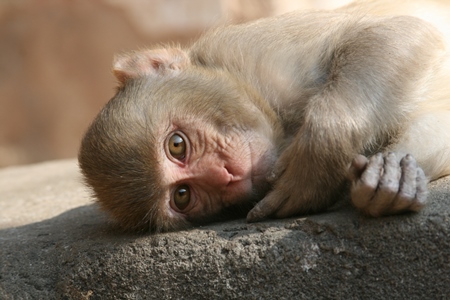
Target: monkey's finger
[408,185]
[421,191]
[277,171]
[388,187]
[363,188]
[357,167]
[266,207]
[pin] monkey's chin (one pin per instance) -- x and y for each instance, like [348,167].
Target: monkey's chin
[250,190]
[250,193]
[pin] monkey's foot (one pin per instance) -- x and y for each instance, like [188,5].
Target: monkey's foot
[382,186]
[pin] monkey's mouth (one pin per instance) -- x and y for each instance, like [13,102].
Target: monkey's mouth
[238,189]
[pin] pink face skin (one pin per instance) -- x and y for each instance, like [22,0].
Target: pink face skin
[218,170]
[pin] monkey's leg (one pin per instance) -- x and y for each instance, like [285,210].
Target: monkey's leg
[428,140]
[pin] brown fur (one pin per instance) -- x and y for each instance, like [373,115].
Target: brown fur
[321,86]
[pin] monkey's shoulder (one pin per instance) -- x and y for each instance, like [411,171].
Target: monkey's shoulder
[306,34]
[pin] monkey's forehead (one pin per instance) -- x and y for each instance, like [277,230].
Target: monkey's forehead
[200,93]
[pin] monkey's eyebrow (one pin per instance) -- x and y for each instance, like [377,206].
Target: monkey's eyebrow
[167,129]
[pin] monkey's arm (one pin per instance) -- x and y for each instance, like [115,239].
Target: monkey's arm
[374,78]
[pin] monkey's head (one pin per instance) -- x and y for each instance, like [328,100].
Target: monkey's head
[177,144]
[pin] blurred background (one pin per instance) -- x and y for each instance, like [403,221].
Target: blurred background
[55,59]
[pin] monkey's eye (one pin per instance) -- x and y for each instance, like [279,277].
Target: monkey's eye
[177,146]
[182,197]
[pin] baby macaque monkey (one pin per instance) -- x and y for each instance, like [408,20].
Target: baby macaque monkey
[278,117]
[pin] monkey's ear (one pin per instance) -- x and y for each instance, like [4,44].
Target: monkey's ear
[155,62]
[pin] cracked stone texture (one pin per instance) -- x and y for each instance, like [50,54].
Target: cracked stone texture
[56,244]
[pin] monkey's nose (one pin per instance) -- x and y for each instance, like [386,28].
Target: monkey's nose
[216,177]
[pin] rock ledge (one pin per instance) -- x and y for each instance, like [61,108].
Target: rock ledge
[55,244]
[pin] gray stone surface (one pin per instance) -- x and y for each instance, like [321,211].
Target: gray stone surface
[55,244]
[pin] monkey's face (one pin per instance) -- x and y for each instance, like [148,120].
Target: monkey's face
[205,169]
[215,147]
[174,149]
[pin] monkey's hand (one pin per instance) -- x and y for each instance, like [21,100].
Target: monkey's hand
[297,188]
[382,186]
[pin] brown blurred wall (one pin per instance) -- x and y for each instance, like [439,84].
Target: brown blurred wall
[55,60]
